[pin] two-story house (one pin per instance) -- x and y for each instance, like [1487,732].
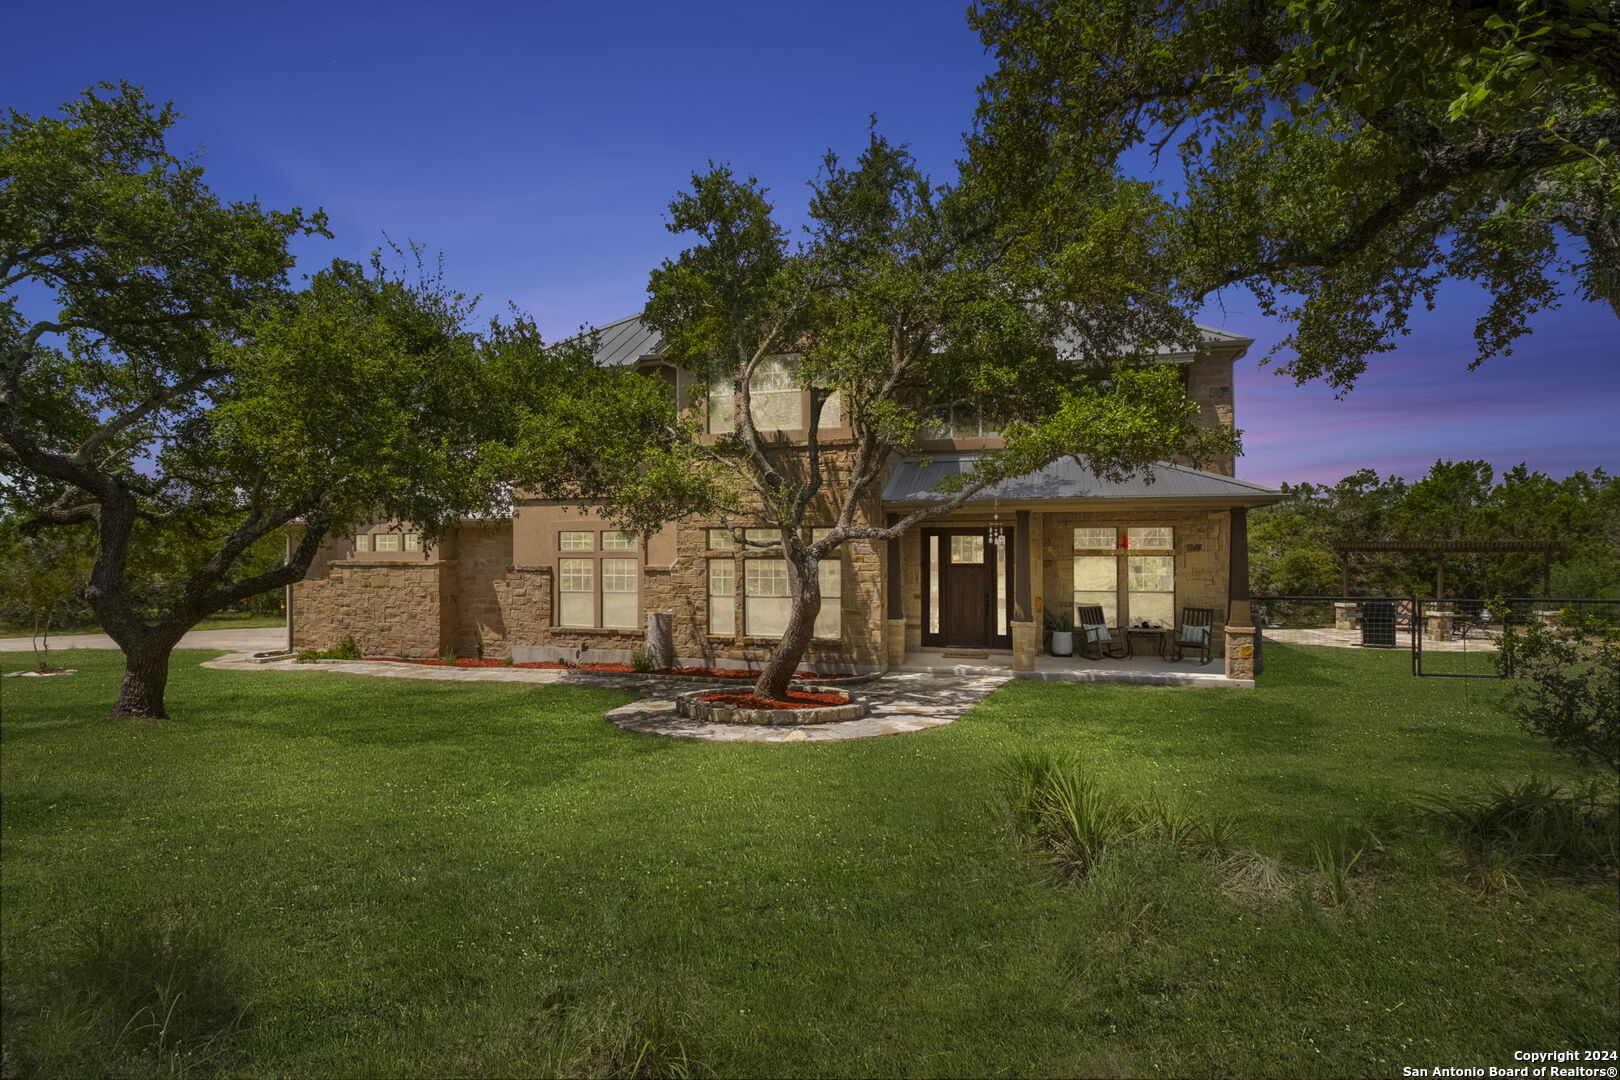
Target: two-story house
[555,579]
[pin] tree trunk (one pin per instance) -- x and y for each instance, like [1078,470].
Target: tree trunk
[146,674]
[806,590]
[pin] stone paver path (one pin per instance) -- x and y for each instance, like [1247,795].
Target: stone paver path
[900,701]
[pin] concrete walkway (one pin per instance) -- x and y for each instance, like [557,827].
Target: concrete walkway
[255,639]
[900,701]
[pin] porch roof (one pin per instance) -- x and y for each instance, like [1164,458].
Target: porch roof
[914,482]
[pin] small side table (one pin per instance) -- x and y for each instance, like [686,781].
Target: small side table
[1158,633]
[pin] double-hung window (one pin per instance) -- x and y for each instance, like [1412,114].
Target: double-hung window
[1151,574]
[767,601]
[1096,571]
[576,592]
[723,597]
[620,596]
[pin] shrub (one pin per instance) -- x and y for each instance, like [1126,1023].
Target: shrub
[1566,687]
[343,650]
[509,660]
[1532,825]
[448,657]
[641,661]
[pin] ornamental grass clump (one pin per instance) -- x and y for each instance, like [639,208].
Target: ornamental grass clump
[1070,820]
[1532,826]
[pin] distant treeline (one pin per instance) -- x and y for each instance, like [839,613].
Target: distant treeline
[1292,545]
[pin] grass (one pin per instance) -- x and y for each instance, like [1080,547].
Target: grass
[326,875]
[225,620]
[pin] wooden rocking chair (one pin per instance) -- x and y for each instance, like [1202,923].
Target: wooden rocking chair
[1094,634]
[1196,629]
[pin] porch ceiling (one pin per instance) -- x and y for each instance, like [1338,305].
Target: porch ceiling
[915,482]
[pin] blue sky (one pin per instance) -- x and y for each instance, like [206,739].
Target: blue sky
[537,144]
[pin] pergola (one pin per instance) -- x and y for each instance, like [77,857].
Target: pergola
[1442,548]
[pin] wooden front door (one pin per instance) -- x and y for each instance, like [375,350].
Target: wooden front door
[963,596]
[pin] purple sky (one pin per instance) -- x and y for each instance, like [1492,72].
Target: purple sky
[537,144]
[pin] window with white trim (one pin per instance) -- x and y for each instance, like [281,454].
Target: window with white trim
[413,542]
[1093,538]
[362,542]
[723,597]
[830,619]
[765,536]
[767,600]
[774,395]
[1151,580]
[576,592]
[387,541]
[576,540]
[721,540]
[618,541]
[1150,538]
[620,593]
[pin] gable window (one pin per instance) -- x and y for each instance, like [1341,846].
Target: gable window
[580,540]
[387,541]
[413,542]
[618,541]
[722,596]
[576,592]
[362,542]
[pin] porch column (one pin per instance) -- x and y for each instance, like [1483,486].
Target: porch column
[1241,636]
[894,603]
[1025,639]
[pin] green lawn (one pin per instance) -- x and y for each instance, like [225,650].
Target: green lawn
[421,878]
[224,620]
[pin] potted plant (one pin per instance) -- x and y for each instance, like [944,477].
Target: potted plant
[1060,628]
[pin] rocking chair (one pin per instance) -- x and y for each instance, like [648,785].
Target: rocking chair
[1195,632]
[1094,634]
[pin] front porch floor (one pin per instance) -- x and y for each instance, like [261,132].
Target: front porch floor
[1138,670]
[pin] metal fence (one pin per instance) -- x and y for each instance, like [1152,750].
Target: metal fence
[1447,638]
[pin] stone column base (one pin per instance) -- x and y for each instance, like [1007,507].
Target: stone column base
[1240,651]
[1026,643]
[894,633]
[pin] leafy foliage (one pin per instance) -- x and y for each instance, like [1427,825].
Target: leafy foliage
[1521,826]
[1339,160]
[1292,544]
[1566,686]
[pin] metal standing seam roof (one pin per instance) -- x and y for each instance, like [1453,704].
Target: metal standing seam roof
[916,482]
[628,339]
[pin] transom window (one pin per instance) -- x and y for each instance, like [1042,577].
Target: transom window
[1092,538]
[579,540]
[764,536]
[1150,537]
[721,540]
[618,541]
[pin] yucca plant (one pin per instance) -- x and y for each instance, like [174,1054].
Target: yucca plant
[1532,823]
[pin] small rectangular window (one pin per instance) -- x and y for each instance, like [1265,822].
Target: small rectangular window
[766,598]
[618,541]
[362,542]
[576,541]
[830,619]
[413,542]
[967,549]
[1150,537]
[387,541]
[619,592]
[764,536]
[721,540]
[1096,539]
[576,592]
[722,596]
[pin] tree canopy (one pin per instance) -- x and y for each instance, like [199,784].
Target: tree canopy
[900,298]
[163,385]
[1340,160]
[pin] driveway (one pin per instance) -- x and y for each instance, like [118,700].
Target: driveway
[257,639]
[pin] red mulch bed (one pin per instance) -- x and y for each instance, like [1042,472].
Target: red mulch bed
[615,669]
[796,699]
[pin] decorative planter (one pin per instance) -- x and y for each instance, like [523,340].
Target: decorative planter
[1063,643]
[692,706]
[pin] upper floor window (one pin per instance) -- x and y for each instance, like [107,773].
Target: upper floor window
[577,540]
[413,542]
[362,542]
[959,420]
[387,541]
[778,400]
